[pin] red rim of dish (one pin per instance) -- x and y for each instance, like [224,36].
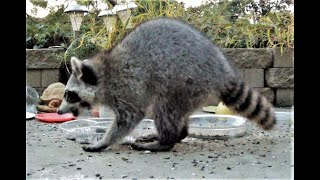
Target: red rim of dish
[54,117]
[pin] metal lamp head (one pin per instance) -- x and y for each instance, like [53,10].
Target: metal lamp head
[76,13]
[109,18]
[124,13]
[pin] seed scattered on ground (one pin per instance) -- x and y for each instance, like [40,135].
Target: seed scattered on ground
[125,158]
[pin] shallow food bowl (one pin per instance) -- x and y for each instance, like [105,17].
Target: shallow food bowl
[284,115]
[91,130]
[211,126]
[216,126]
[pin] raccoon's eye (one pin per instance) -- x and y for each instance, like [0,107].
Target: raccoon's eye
[71,97]
[85,104]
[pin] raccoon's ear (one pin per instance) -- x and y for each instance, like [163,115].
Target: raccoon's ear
[89,75]
[76,66]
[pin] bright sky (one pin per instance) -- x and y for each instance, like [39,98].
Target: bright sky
[43,12]
[51,3]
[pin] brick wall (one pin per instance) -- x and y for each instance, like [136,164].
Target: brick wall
[266,70]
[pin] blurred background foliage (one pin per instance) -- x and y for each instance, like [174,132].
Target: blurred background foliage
[230,24]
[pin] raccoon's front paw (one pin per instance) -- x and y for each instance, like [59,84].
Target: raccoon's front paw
[91,148]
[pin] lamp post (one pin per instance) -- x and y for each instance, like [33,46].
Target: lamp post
[76,13]
[124,13]
[109,19]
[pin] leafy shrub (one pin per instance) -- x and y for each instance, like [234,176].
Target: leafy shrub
[53,30]
[157,8]
[227,23]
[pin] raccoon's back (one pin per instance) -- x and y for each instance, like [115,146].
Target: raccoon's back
[166,47]
[166,40]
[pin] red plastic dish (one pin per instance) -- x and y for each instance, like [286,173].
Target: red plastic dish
[54,117]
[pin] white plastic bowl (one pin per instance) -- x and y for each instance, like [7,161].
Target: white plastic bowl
[208,126]
[216,126]
[91,130]
[32,99]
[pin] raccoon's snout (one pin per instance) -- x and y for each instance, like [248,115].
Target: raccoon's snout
[59,111]
[74,111]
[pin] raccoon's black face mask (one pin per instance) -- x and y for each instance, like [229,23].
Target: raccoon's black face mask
[80,89]
[73,98]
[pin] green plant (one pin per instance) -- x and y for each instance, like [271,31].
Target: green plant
[157,8]
[99,35]
[281,29]
[230,24]
[227,24]
[53,30]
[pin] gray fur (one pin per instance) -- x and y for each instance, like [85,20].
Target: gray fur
[173,67]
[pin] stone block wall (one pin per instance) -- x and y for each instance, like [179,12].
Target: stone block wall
[42,67]
[267,70]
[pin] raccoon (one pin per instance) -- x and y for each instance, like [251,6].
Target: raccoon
[166,64]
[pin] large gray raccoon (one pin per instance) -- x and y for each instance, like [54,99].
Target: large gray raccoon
[165,63]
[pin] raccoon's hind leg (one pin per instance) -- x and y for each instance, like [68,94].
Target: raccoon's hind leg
[184,131]
[126,120]
[172,119]
[155,137]
[167,122]
[148,138]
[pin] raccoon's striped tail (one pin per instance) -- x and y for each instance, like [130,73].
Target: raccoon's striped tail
[248,103]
